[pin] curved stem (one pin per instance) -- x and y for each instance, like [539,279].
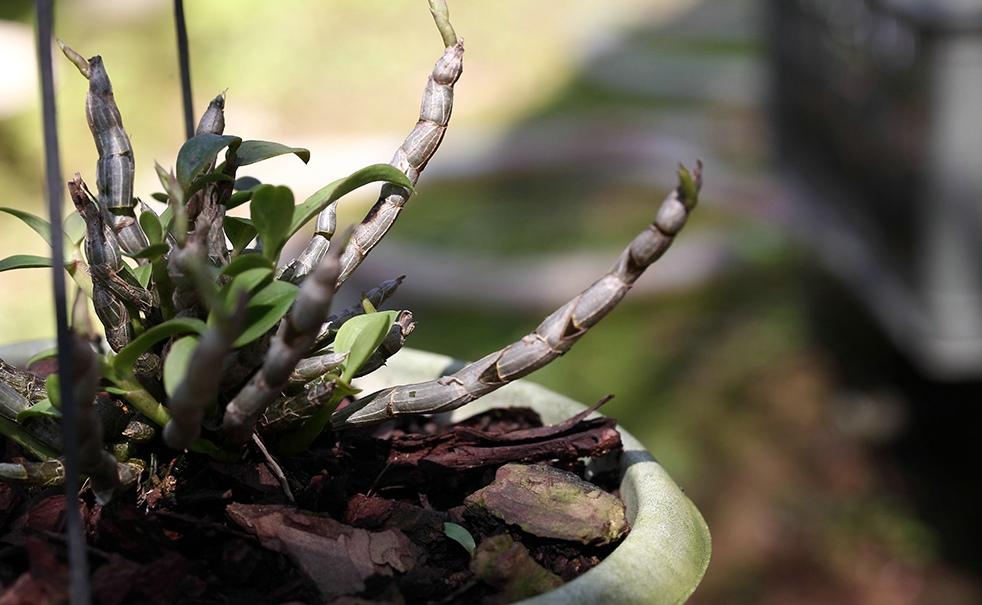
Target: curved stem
[441,15]
[554,336]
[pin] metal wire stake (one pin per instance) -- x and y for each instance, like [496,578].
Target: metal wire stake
[78,565]
[184,61]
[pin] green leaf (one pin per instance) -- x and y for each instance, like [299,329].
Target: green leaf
[240,232]
[42,355]
[74,226]
[249,279]
[213,176]
[341,187]
[167,217]
[160,197]
[238,198]
[173,187]
[22,437]
[176,220]
[250,152]
[52,386]
[151,225]
[142,274]
[244,282]
[41,408]
[272,211]
[80,275]
[127,356]
[265,309]
[177,362]
[43,227]
[687,187]
[460,535]
[246,182]
[128,273]
[153,251]
[244,262]
[198,154]
[24,261]
[359,337]
[38,224]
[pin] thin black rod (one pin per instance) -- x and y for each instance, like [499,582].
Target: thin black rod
[78,565]
[184,60]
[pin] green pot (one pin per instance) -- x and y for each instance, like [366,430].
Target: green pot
[17,353]
[666,554]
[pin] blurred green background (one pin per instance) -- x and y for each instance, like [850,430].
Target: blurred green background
[729,360]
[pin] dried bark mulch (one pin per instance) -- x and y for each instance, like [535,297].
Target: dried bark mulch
[368,524]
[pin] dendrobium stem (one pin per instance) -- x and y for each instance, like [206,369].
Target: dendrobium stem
[412,157]
[198,392]
[113,292]
[292,342]
[553,337]
[213,120]
[314,367]
[116,166]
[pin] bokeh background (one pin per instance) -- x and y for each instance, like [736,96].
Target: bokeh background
[827,445]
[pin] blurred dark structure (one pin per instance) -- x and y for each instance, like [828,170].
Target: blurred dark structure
[877,105]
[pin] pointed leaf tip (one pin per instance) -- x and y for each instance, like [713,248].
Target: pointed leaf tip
[688,188]
[359,337]
[460,535]
[332,192]
[199,152]
[250,152]
[24,261]
[272,214]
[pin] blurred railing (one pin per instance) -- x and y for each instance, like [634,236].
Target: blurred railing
[877,110]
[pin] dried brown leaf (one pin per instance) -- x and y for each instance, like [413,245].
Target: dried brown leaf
[338,558]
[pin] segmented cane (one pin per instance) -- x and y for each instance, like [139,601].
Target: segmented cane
[198,392]
[313,367]
[105,262]
[296,335]
[553,337]
[213,120]
[411,158]
[290,412]
[115,166]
